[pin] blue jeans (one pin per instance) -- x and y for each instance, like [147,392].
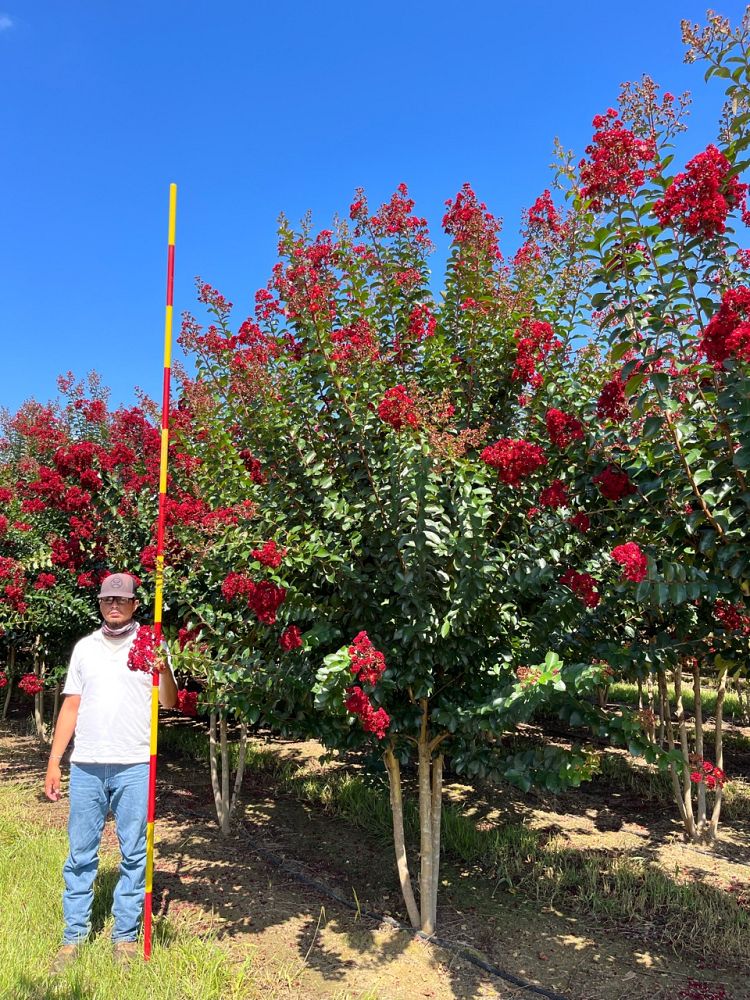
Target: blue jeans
[94,790]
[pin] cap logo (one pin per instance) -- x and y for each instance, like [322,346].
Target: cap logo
[116,582]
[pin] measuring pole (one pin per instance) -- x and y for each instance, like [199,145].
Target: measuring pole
[159,589]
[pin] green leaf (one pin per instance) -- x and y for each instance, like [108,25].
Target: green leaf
[634,383]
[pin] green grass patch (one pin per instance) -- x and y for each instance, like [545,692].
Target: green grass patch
[694,918]
[627,694]
[182,966]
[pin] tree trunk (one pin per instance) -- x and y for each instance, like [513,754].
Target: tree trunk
[39,698]
[212,751]
[701,823]
[437,812]
[55,708]
[743,697]
[713,826]
[240,769]
[687,797]
[219,762]
[10,671]
[425,835]
[663,710]
[666,719]
[225,803]
[399,841]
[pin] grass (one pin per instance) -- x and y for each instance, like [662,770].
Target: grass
[627,694]
[653,785]
[182,966]
[695,918]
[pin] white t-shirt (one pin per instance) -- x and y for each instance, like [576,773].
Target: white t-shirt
[114,717]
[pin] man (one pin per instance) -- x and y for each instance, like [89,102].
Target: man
[108,707]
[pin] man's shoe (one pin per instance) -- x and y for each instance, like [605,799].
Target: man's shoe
[65,957]
[125,952]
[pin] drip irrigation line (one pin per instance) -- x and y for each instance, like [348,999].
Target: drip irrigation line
[282,865]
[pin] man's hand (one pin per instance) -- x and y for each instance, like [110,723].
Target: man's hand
[52,781]
[167,686]
[66,724]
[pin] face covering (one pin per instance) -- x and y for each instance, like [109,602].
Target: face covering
[119,633]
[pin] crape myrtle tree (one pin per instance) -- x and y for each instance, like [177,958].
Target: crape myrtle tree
[668,300]
[78,499]
[420,473]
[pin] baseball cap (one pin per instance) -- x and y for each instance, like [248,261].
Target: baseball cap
[117,585]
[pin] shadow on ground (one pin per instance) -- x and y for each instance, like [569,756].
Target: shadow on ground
[227,886]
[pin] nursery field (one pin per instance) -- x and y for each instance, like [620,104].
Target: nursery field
[587,896]
[443,535]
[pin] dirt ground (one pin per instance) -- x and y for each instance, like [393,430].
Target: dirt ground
[260,892]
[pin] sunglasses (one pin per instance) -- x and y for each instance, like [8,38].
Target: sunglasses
[119,601]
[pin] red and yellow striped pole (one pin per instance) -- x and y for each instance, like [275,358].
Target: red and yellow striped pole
[159,589]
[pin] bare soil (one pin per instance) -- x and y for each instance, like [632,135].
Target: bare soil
[258,891]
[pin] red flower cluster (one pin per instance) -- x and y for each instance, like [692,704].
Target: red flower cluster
[263,599]
[563,428]
[732,617]
[555,495]
[514,459]
[187,702]
[372,720]
[269,555]
[581,522]
[210,297]
[3,679]
[611,404]
[143,650]
[30,684]
[355,342]
[544,216]
[534,341]
[235,585]
[613,484]
[93,410]
[699,200]
[253,466]
[13,591]
[633,561]
[709,774]
[44,581]
[728,330]
[366,661]
[583,586]
[290,638]
[422,323]
[398,409]
[406,279]
[33,506]
[471,225]
[395,216]
[187,635]
[617,161]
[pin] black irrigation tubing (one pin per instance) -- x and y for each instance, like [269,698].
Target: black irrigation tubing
[321,887]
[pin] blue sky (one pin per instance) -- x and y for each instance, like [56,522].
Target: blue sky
[254,109]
